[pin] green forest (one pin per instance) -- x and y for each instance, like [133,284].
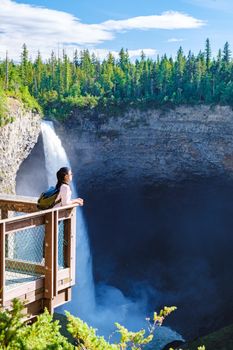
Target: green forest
[60,84]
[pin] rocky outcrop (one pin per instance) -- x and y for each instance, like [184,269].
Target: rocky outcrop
[16,141]
[150,146]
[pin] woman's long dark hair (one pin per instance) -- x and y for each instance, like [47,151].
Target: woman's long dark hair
[62,172]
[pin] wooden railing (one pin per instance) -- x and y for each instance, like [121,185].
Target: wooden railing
[52,285]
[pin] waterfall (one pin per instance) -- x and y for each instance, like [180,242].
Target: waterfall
[55,158]
[109,305]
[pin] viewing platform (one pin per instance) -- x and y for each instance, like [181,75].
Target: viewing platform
[37,254]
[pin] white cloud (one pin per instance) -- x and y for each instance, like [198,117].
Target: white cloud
[175,40]
[43,29]
[167,20]
[46,30]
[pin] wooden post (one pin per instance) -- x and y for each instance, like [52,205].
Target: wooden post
[49,259]
[67,234]
[72,246]
[2,263]
[55,262]
[4,213]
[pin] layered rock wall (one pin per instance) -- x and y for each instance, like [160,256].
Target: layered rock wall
[16,141]
[150,146]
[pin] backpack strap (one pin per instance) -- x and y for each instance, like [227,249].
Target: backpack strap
[57,202]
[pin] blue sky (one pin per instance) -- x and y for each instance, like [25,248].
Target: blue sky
[155,26]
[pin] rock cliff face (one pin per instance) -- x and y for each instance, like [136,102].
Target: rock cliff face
[16,141]
[150,146]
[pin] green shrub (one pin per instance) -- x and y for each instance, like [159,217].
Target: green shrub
[29,102]
[61,107]
[87,338]
[80,101]
[42,335]
[4,112]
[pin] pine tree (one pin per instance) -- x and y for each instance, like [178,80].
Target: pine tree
[226,53]
[76,59]
[6,72]
[207,53]
[66,72]
[38,68]
[25,67]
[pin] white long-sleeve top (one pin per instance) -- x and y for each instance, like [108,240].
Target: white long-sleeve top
[65,196]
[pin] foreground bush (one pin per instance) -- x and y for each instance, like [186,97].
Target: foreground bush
[44,334]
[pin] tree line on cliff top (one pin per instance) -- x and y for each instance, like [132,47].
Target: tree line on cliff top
[61,84]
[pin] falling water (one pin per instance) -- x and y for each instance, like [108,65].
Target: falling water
[110,305]
[55,158]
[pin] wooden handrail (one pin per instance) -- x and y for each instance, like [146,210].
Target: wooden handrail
[56,284]
[17,203]
[38,213]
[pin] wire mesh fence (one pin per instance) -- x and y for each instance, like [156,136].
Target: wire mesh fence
[24,251]
[61,245]
[27,245]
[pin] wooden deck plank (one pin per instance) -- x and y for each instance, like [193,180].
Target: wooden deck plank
[20,289]
[15,279]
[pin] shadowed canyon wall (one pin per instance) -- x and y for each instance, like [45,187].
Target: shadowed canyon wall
[150,146]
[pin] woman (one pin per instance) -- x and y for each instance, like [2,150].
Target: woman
[64,177]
